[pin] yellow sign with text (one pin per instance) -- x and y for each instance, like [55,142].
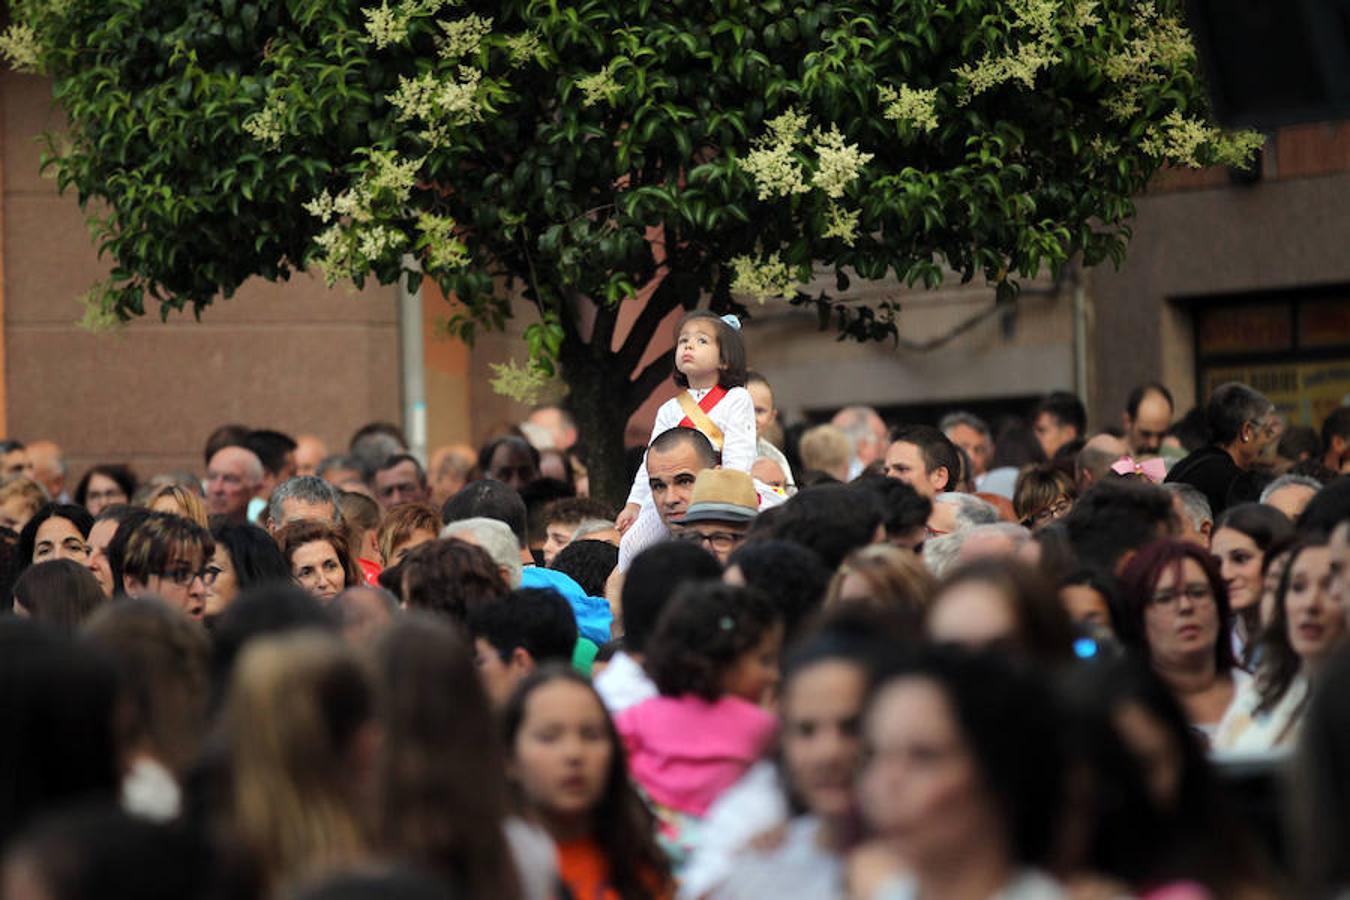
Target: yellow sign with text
[1303,393]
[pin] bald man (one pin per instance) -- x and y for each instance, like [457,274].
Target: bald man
[309,452]
[233,477]
[449,471]
[1096,458]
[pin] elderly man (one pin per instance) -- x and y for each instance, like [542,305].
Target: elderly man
[1290,494]
[867,431]
[49,469]
[449,471]
[923,458]
[953,515]
[723,505]
[303,497]
[1148,416]
[309,452]
[971,434]
[400,479]
[233,477]
[1194,516]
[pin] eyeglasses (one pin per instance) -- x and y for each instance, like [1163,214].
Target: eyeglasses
[720,541]
[1055,511]
[1198,593]
[185,577]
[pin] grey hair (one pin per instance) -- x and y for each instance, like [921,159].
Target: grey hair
[591,526]
[1018,534]
[1285,481]
[852,421]
[970,510]
[496,539]
[961,417]
[372,450]
[337,461]
[1194,501]
[306,488]
[939,553]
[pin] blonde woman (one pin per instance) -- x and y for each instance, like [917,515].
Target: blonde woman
[178,501]
[300,733]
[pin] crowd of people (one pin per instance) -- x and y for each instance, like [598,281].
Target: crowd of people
[831,660]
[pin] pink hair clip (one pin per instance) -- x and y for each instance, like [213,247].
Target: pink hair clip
[1154,469]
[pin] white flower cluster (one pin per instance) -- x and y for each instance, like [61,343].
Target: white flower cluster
[916,107]
[524,384]
[839,164]
[443,249]
[1036,19]
[1179,140]
[843,224]
[524,47]
[442,102]
[20,48]
[463,37]
[388,25]
[774,163]
[761,279]
[268,125]
[602,87]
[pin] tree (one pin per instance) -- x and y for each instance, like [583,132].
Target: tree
[572,155]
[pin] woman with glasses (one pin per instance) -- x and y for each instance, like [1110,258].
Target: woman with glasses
[1177,619]
[1307,628]
[166,557]
[1043,495]
[103,486]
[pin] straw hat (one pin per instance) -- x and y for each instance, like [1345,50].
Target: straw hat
[722,495]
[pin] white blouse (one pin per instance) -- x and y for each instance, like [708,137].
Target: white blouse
[734,414]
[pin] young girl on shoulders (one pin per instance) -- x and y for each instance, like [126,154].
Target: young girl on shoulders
[710,368]
[567,765]
[714,658]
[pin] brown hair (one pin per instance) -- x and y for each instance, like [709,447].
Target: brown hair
[1044,632]
[294,535]
[400,523]
[730,349]
[159,541]
[295,705]
[165,660]
[59,592]
[1038,487]
[897,582]
[190,506]
[443,797]
[27,489]
[451,577]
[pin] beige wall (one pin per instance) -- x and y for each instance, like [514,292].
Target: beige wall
[294,356]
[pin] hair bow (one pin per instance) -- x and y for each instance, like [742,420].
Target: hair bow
[1155,470]
[734,322]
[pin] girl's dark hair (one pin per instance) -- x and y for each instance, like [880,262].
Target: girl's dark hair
[1044,630]
[75,515]
[253,552]
[730,349]
[1010,721]
[1199,837]
[59,592]
[1139,580]
[1321,782]
[789,574]
[1280,665]
[58,716]
[701,634]
[1265,525]
[621,823]
[444,798]
[124,477]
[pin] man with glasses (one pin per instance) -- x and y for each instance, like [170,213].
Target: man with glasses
[723,505]
[166,557]
[1242,426]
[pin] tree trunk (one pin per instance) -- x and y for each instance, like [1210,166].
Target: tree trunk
[598,405]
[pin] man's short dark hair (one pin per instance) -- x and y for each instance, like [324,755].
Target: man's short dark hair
[831,519]
[1114,516]
[589,563]
[902,508]
[399,459]
[1336,425]
[1231,406]
[271,448]
[489,450]
[1064,408]
[1139,393]
[490,499]
[936,448]
[652,579]
[537,619]
[672,438]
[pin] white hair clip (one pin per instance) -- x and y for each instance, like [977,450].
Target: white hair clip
[734,322]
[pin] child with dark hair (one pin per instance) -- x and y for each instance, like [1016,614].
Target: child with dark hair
[714,658]
[589,563]
[710,370]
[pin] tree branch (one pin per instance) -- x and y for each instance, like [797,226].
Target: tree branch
[670,294]
[602,335]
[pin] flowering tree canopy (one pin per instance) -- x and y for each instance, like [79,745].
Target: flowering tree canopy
[575,154]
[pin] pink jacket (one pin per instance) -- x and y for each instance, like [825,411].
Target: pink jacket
[685,751]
